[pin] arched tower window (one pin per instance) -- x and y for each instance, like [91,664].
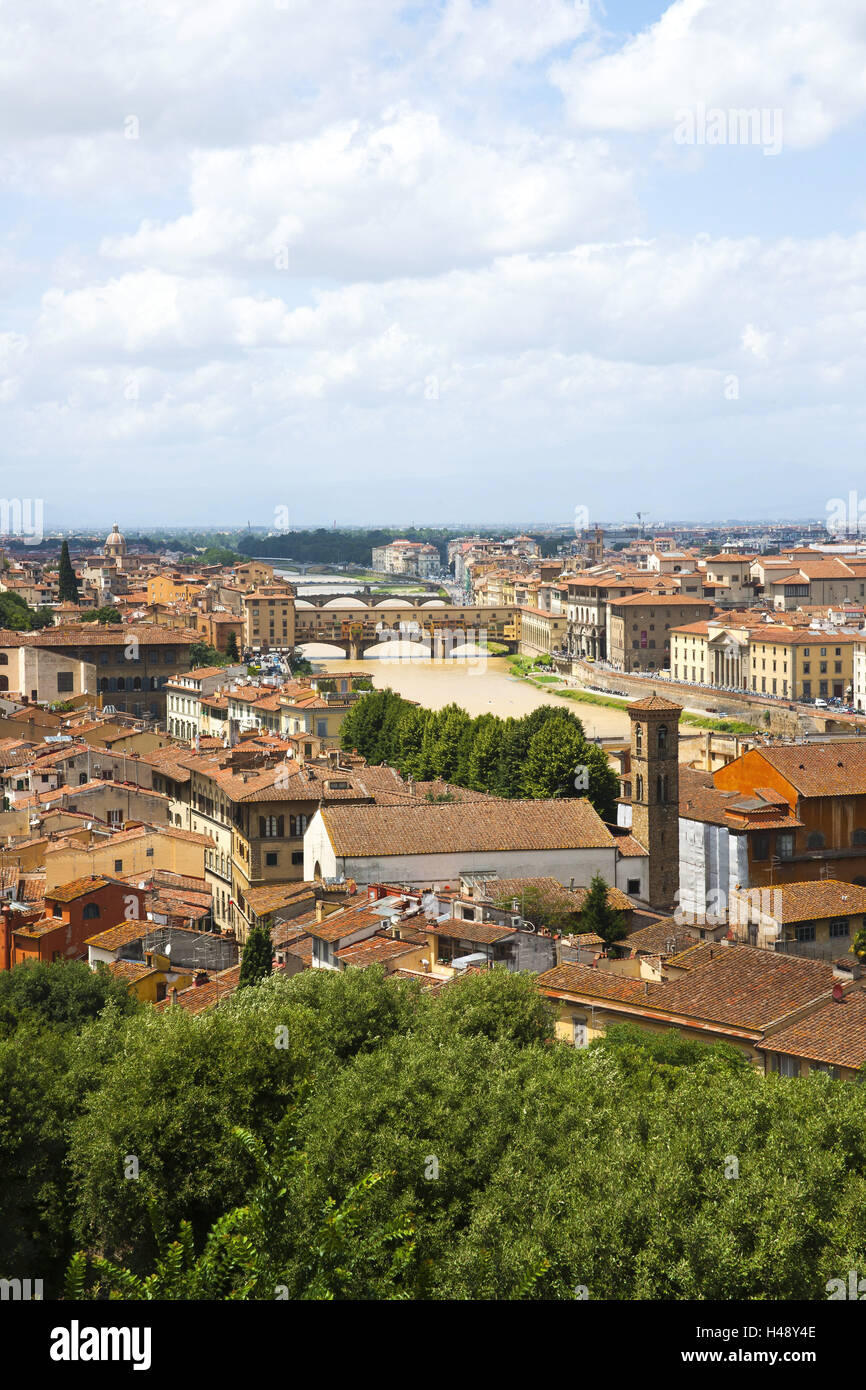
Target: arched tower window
[663,738]
[638,739]
[638,788]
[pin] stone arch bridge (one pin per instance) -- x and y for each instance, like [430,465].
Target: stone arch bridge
[356,623]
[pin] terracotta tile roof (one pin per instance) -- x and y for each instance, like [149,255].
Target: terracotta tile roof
[466,827]
[403,792]
[431,983]
[77,887]
[836,768]
[695,954]
[376,950]
[675,600]
[131,970]
[302,948]
[630,848]
[196,998]
[701,799]
[655,702]
[663,938]
[275,895]
[572,899]
[344,923]
[806,901]
[587,980]
[287,934]
[32,887]
[39,928]
[120,935]
[834,1033]
[494,889]
[748,987]
[739,989]
[484,933]
[110,635]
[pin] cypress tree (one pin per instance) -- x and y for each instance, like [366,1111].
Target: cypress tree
[598,916]
[257,960]
[232,648]
[68,584]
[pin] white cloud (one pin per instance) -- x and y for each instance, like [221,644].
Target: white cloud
[401,195]
[329,208]
[807,60]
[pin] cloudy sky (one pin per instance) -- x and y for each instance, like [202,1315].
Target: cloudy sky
[434,262]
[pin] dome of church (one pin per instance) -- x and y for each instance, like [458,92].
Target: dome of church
[115,541]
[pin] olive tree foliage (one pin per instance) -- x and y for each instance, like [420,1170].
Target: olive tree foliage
[353,1136]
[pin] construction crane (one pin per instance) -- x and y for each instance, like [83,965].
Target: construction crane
[640,516]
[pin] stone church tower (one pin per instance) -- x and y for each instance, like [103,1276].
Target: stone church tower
[655,792]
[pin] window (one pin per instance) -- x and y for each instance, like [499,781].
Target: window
[632,885]
[298,857]
[805,933]
[663,738]
[761,845]
[579,1032]
[271,859]
[638,788]
[840,926]
[118,866]
[785,1066]
[271,827]
[785,844]
[638,739]
[815,840]
[91,912]
[64,682]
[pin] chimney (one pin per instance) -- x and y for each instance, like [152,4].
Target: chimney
[201,978]
[173,995]
[320,912]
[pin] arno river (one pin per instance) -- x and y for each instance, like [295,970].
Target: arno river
[480,686]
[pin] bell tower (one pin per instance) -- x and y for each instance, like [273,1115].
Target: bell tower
[655,792]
